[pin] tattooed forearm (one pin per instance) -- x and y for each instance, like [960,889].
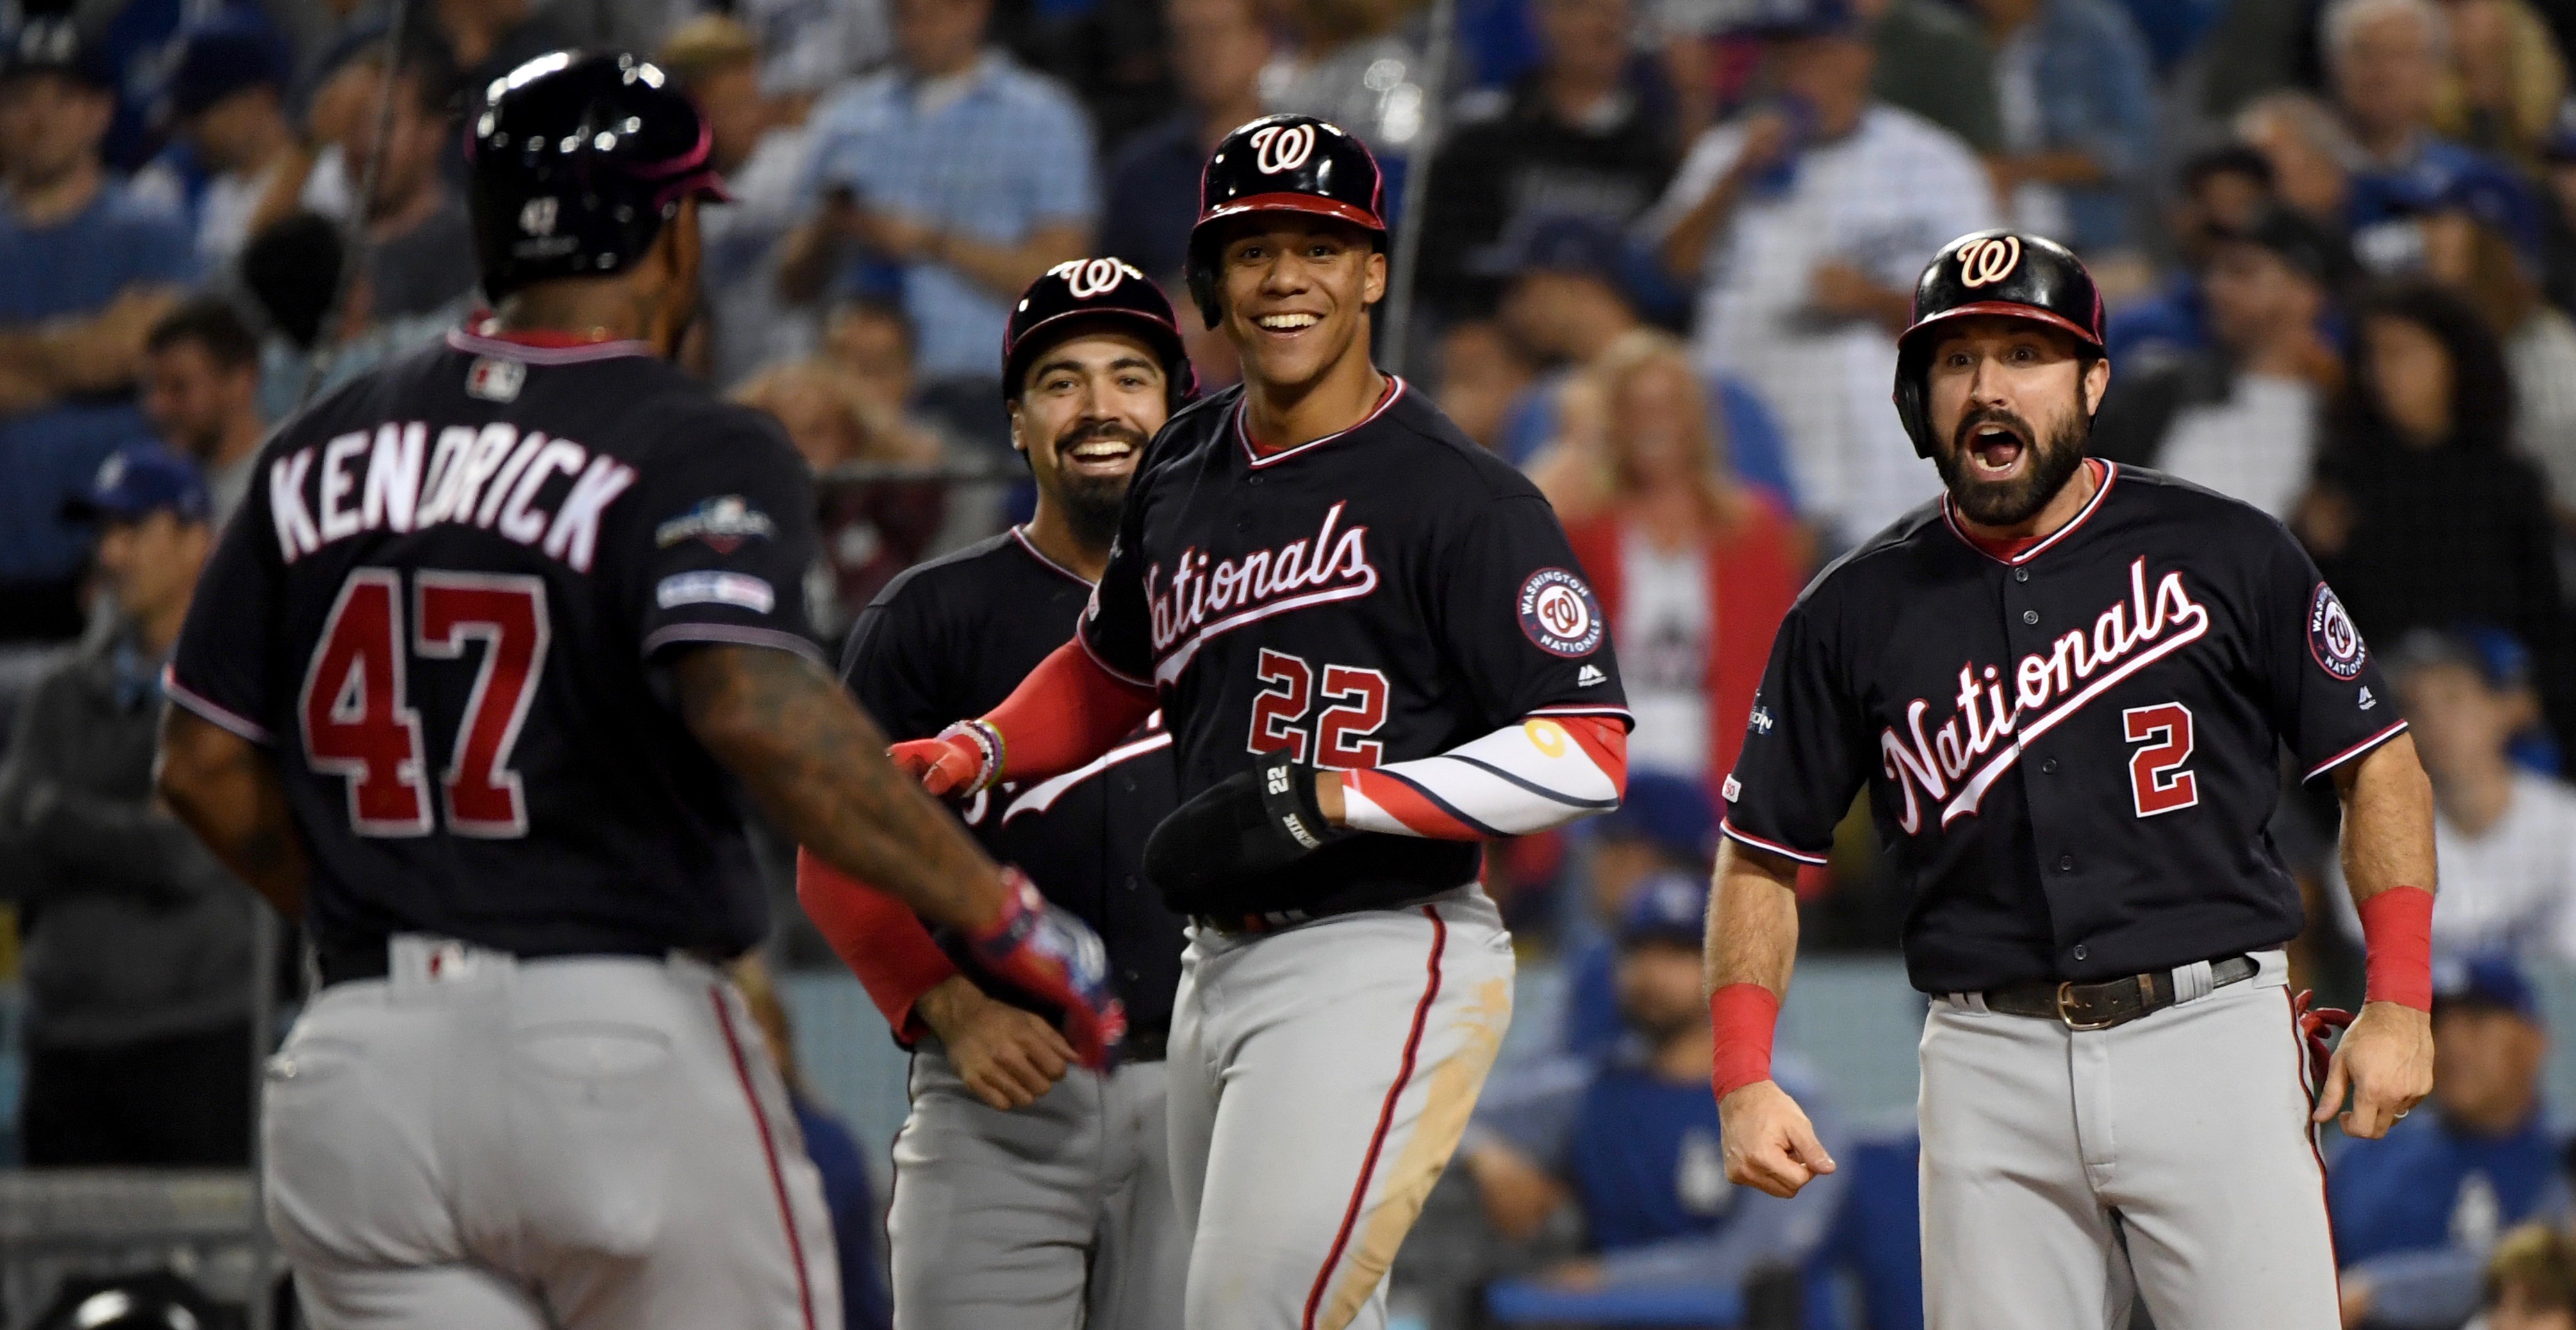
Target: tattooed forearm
[224,788]
[816,765]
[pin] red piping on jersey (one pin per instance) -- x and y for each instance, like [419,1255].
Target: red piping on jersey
[1730,829]
[542,348]
[2014,551]
[215,714]
[2355,751]
[768,1151]
[1385,1118]
[1021,534]
[1261,457]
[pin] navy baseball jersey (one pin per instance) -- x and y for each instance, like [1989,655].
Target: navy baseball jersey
[2071,750]
[1374,596]
[952,638]
[442,606]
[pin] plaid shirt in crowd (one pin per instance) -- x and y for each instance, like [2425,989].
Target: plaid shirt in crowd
[1011,154]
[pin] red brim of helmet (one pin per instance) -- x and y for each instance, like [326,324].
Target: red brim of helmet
[1314,204]
[2004,309]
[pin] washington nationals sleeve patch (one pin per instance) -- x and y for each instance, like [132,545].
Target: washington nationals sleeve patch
[1559,612]
[2332,639]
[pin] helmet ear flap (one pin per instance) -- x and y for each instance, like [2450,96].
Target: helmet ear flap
[1913,406]
[1202,283]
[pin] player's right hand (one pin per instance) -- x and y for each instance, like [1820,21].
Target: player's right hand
[1768,1141]
[1048,953]
[1007,1057]
[951,764]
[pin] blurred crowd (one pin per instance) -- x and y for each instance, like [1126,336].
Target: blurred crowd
[1664,247]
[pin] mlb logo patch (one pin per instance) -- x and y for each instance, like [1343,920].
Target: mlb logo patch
[495,380]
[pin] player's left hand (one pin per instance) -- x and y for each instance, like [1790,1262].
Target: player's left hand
[1251,822]
[2385,1062]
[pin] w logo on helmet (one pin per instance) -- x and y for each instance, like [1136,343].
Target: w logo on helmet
[1277,148]
[1086,278]
[1986,262]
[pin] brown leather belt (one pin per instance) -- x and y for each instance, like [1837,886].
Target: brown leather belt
[2112,1002]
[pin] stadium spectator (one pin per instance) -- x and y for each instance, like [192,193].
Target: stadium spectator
[138,965]
[2558,214]
[85,270]
[1665,826]
[1566,304]
[2077,93]
[2311,154]
[1577,136]
[1628,1141]
[1693,570]
[1347,61]
[2386,59]
[483,40]
[1482,372]
[762,157]
[968,174]
[1805,222]
[201,392]
[2241,416]
[808,46]
[1933,61]
[2422,514]
[2504,834]
[1218,50]
[2531,1282]
[420,244]
[847,1192]
[869,532]
[2500,87]
[2482,261]
[871,343]
[233,142]
[2417,1214]
[2219,189]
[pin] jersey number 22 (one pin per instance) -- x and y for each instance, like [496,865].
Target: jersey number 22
[356,711]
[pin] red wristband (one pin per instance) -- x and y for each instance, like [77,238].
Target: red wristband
[1742,1016]
[2397,938]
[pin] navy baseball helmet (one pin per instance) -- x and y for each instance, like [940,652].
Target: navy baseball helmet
[1089,293]
[2000,273]
[578,160]
[1283,163]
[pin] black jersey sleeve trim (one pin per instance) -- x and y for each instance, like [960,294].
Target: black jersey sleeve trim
[214,713]
[2355,751]
[1621,714]
[1112,671]
[1730,830]
[736,635]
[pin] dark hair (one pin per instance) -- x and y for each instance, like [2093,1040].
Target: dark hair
[2481,387]
[210,322]
[292,268]
[2225,159]
[879,307]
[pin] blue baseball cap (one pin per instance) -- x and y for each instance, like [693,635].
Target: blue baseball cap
[140,480]
[2489,980]
[53,44]
[1671,813]
[1666,907]
[221,59]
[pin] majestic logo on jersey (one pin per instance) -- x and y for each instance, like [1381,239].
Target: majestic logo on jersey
[1205,598]
[1952,766]
[1278,148]
[1560,613]
[493,477]
[2332,639]
[724,523]
[1989,261]
[1086,278]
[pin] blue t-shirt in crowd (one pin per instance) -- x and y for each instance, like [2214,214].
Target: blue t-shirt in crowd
[2417,1211]
[852,1202]
[72,269]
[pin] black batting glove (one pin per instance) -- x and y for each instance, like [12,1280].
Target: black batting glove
[1251,822]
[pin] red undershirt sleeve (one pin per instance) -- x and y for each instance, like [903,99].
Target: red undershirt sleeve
[878,937]
[1067,712]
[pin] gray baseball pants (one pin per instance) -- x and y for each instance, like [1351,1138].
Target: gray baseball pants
[591,1143]
[1050,1217]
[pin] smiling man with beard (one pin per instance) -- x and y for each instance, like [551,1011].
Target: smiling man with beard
[2064,684]
[1067,1178]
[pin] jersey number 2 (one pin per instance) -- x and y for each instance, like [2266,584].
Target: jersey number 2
[356,710]
[1339,739]
[2156,778]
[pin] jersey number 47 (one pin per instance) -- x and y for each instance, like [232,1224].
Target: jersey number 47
[356,714]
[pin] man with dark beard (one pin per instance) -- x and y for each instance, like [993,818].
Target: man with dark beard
[1068,1178]
[2065,683]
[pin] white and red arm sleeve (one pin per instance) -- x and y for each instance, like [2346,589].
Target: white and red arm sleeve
[1543,772]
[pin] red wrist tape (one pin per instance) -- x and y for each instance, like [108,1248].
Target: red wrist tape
[2397,937]
[1742,1016]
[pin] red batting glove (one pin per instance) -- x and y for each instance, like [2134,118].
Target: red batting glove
[963,759]
[1046,952]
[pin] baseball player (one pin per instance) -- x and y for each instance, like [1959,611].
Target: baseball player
[1372,649]
[461,689]
[1024,1197]
[2065,683]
